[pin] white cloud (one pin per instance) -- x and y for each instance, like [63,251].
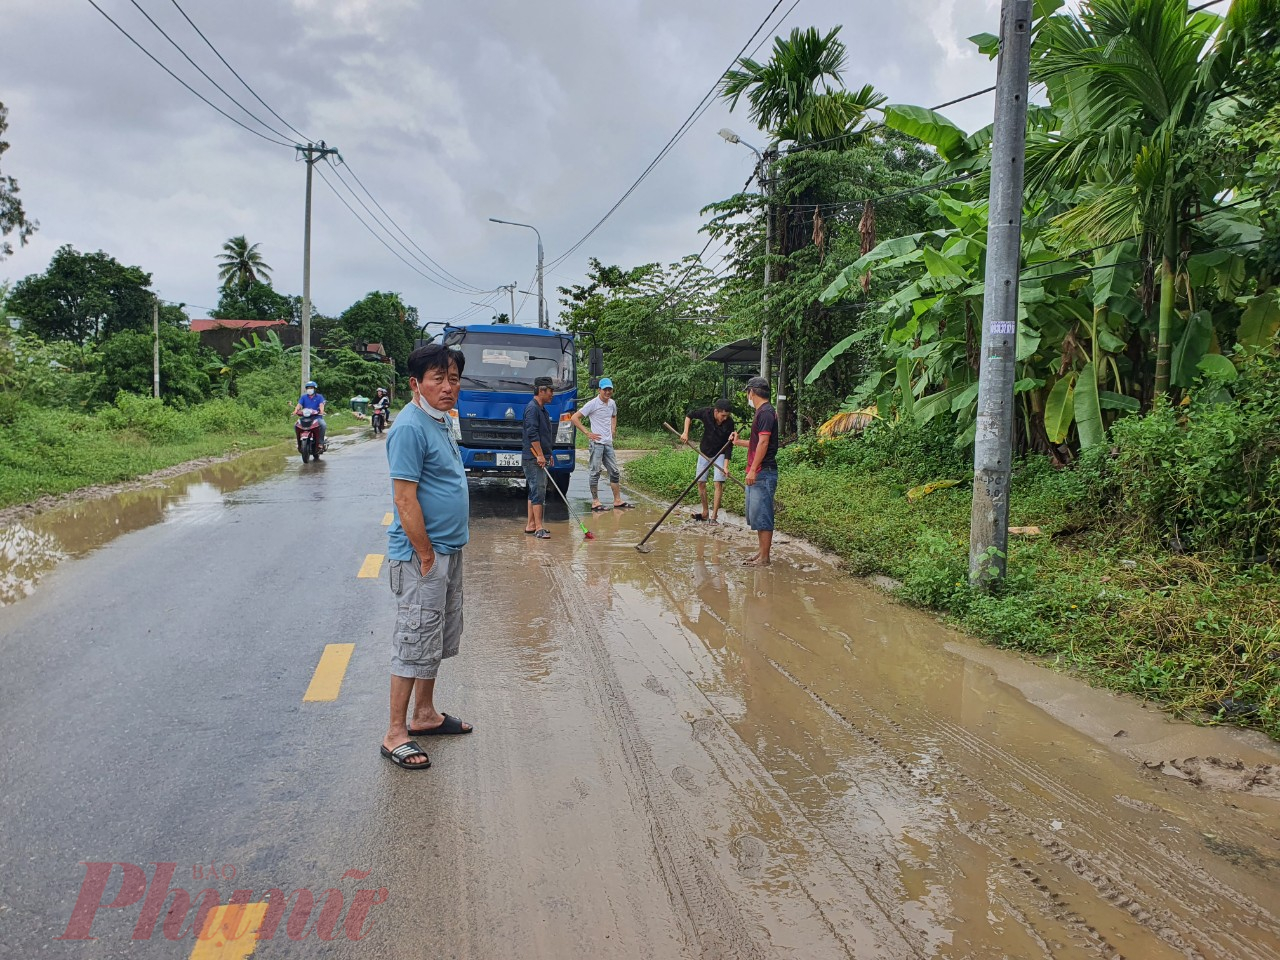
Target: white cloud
[450,112]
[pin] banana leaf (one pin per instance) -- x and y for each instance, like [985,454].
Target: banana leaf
[927,125]
[1110,400]
[1059,409]
[904,385]
[1193,345]
[1216,365]
[1088,409]
[834,353]
[1260,321]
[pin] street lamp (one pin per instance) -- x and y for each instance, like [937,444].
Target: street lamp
[732,137]
[542,304]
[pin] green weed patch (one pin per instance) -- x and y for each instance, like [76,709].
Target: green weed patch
[46,451]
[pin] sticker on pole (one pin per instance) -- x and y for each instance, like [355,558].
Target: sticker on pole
[1003,327]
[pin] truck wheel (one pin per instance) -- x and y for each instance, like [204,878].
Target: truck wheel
[561,478]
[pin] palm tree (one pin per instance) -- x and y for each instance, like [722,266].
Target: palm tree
[241,265]
[1138,81]
[797,95]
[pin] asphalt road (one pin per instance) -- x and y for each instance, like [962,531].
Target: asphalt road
[673,756]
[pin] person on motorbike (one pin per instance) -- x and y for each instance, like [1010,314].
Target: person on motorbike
[311,404]
[382,403]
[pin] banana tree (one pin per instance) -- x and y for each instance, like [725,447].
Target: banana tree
[1134,83]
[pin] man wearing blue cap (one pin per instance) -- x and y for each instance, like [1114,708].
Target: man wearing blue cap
[602,413]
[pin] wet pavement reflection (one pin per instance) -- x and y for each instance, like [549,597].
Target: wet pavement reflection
[30,548]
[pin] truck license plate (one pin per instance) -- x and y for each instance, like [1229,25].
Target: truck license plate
[508,459]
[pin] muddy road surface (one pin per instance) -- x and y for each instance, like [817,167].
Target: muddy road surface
[674,756]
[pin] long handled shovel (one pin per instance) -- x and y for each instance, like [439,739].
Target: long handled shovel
[551,482]
[701,473]
[679,437]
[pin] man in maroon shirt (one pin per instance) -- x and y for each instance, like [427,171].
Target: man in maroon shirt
[762,468]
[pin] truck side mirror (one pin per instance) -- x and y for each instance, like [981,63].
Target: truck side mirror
[595,362]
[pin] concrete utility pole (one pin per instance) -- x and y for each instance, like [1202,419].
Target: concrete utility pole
[155,348]
[993,446]
[312,153]
[767,188]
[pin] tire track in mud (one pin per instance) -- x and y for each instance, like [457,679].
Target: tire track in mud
[1194,888]
[1168,871]
[711,923]
[867,925]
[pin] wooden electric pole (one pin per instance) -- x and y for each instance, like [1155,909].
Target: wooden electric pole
[993,444]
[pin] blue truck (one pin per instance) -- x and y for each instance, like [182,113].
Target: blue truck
[502,361]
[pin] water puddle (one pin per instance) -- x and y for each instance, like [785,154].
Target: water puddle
[31,547]
[987,804]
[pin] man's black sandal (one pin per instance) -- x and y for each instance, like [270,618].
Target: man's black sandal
[400,756]
[451,725]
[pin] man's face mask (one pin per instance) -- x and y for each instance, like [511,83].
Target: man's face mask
[311,391]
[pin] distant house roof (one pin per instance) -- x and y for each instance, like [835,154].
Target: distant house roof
[199,326]
[375,348]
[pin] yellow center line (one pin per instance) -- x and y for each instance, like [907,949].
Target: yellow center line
[372,567]
[230,932]
[386,519]
[327,680]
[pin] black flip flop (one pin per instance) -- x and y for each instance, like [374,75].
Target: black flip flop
[598,508]
[451,725]
[401,754]
[625,505]
[530,533]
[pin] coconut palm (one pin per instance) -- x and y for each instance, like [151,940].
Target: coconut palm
[797,95]
[240,265]
[1142,78]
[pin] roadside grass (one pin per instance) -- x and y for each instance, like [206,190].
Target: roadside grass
[47,451]
[634,439]
[1198,633]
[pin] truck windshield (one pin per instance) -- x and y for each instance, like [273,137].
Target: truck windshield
[500,361]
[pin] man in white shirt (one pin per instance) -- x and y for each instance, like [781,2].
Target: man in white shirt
[602,413]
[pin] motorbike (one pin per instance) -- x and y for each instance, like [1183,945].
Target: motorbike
[308,432]
[379,420]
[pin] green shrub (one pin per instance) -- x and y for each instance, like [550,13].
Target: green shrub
[1206,476]
[151,417]
[916,452]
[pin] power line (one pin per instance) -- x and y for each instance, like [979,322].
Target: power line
[442,280]
[697,111]
[451,276]
[672,291]
[237,75]
[375,234]
[191,89]
[202,73]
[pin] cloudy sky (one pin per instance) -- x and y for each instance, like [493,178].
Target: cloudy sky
[449,112]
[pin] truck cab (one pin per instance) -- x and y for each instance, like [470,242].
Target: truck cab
[502,361]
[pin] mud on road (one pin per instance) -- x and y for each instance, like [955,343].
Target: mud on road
[819,772]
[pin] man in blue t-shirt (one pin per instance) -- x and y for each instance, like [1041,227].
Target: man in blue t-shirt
[424,547]
[311,404]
